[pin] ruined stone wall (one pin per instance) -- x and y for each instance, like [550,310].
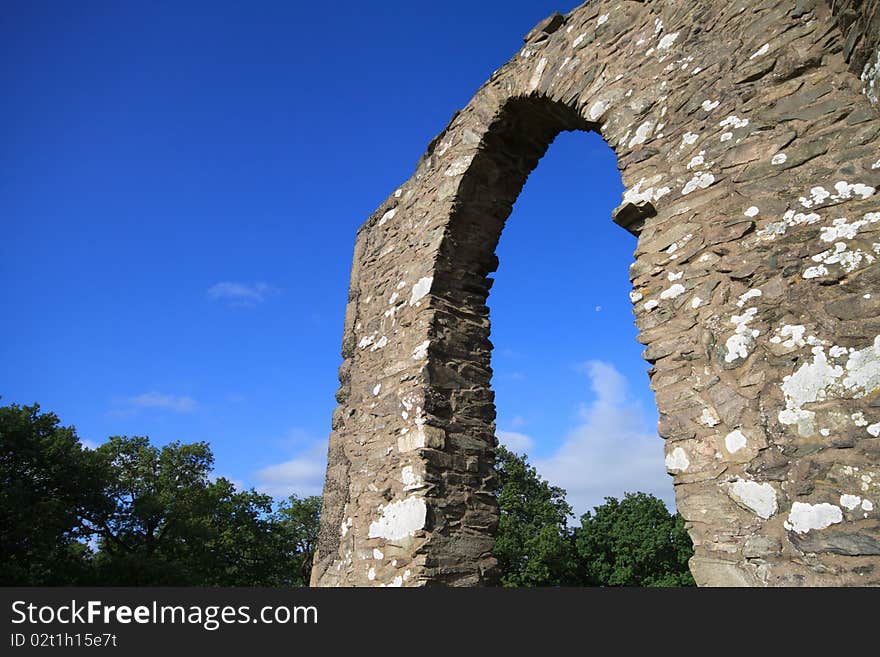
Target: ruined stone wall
[748,149]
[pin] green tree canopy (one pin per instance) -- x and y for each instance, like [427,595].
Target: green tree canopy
[47,482]
[633,542]
[532,543]
[130,513]
[170,524]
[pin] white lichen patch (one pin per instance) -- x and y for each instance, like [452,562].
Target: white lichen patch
[850,502]
[848,260]
[760,51]
[726,136]
[820,380]
[677,459]
[847,191]
[735,441]
[695,302]
[385,217]
[842,229]
[870,76]
[733,122]
[345,526]
[399,519]
[421,350]
[458,166]
[844,191]
[667,41]
[760,498]
[740,343]
[743,298]
[790,335]
[639,194]
[420,289]
[699,181]
[410,478]
[642,134]
[779,158]
[602,20]
[672,291]
[689,138]
[751,211]
[805,517]
[597,109]
[863,369]
[674,276]
[789,220]
[635,296]
[709,418]
[709,105]
[377,389]
[697,160]
[873,429]
[366,341]
[858,419]
[818,195]
[578,40]
[651,304]
[536,76]
[381,342]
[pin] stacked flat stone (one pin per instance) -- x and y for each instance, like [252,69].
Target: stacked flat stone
[746,137]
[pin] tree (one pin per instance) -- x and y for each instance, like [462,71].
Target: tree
[532,544]
[130,513]
[298,521]
[633,542]
[167,523]
[47,482]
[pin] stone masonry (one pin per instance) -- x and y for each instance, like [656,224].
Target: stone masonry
[747,139]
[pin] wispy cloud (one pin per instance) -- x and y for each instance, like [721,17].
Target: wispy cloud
[129,406]
[302,475]
[612,450]
[240,295]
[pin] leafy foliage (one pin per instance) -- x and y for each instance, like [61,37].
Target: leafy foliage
[47,480]
[132,514]
[633,542]
[532,544]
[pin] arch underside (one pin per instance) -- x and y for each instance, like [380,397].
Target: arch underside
[747,147]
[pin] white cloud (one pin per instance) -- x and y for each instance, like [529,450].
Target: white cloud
[611,451]
[302,475]
[240,295]
[181,404]
[89,444]
[515,441]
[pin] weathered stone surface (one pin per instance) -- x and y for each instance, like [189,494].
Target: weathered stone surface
[748,150]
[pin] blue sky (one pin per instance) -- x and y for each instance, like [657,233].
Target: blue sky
[180,186]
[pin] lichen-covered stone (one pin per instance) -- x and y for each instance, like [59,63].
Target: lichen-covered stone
[746,136]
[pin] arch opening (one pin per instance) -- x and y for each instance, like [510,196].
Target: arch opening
[461,367]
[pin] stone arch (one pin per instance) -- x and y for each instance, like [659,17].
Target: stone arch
[747,150]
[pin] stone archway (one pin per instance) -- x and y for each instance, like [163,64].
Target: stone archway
[748,149]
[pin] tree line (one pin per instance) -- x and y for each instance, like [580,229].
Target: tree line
[128,513]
